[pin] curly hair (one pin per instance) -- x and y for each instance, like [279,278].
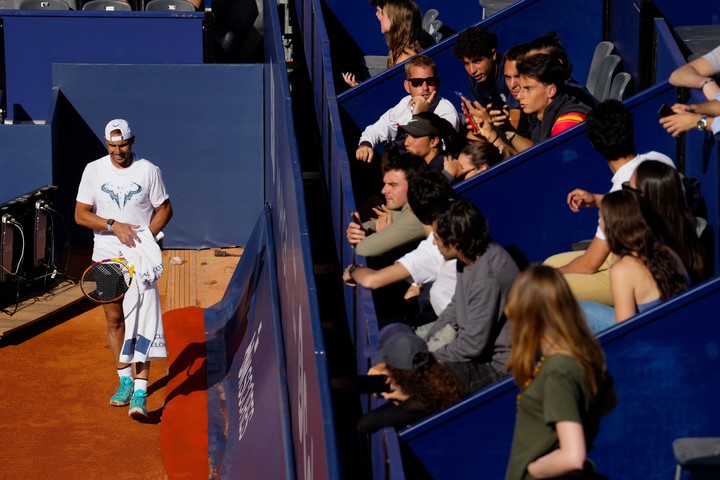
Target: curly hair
[434,385]
[625,215]
[405,28]
[475,42]
[609,126]
[463,227]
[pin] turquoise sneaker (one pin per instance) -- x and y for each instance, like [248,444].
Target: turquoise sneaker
[123,393]
[138,411]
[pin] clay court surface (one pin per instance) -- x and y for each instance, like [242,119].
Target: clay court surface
[57,378]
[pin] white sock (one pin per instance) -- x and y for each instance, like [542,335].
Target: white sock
[140,384]
[125,371]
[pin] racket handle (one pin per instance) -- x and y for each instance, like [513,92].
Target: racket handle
[159,236]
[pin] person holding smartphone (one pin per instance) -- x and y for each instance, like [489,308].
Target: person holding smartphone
[418,385]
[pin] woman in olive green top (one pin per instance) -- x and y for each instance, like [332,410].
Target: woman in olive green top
[560,369]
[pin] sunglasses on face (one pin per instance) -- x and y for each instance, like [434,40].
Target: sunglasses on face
[417,82]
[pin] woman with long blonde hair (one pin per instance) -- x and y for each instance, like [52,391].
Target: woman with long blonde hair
[561,372]
[401,23]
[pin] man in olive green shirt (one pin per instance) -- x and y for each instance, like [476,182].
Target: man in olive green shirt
[396,225]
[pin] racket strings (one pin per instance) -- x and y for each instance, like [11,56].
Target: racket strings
[105,282]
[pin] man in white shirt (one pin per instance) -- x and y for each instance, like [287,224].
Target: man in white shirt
[610,129]
[118,194]
[421,83]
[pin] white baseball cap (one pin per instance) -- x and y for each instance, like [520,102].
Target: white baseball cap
[118,124]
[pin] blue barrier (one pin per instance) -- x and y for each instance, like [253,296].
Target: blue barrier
[308,384]
[26,159]
[684,13]
[660,362]
[249,430]
[36,39]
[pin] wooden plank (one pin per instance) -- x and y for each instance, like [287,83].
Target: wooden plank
[31,310]
[199,278]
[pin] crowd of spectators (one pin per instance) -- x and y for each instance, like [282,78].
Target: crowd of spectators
[478,318]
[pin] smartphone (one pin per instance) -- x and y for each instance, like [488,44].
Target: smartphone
[471,121]
[355,218]
[665,110]
[496,106]
[371,384]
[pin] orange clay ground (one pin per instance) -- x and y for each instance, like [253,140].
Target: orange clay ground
[56,378]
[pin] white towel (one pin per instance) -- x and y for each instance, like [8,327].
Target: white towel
[144,335]
[146,257]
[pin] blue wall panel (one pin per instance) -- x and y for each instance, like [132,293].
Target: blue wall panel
[209,147]
[358,19]
[316,455]
[25,159]
[35,40]
[697,12]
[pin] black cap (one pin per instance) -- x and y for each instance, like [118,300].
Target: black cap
[403,350]
[425,124]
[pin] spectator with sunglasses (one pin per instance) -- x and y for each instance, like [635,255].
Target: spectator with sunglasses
[610,128]
[421,84]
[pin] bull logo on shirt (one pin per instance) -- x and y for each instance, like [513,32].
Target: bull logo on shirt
[121,195]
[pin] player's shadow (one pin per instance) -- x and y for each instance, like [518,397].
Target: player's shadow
[190,367]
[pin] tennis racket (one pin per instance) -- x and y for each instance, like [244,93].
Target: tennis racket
[107,281]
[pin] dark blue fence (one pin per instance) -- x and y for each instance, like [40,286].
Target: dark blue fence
[249,427]
[306,362]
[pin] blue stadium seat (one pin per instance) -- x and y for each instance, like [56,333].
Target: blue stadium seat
[44,5]
[107,6]
[169,6]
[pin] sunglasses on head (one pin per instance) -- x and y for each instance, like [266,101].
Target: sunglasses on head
[626,186]
[417,82]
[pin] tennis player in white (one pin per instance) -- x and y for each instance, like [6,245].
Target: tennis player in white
[118,194]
